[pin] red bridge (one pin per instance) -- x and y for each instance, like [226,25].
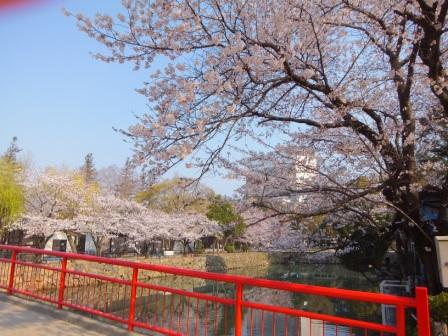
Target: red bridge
[229,308]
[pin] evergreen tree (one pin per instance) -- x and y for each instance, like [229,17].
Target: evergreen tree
[88,170]
[127,185]
[12,151]
[225,214]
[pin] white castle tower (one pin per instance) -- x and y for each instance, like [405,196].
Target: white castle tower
[305,171]
[306,167]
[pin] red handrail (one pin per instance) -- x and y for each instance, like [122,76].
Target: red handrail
[238,303]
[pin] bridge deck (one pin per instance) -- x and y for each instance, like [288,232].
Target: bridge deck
[21,317]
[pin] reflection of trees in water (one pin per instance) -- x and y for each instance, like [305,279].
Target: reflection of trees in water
[268,296]
[336,276]
[325,275]
[183,314]
[315,304]
[331,275]
[175,312]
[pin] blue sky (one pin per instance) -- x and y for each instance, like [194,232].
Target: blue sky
[57,99]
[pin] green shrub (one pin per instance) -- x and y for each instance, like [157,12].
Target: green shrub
[229,248]
[438,305]
[200,249]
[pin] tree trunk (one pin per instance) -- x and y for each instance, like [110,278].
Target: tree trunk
[418,249]
[98,247]
[3,234]
[98,251]
[172,242]
[425,249]
[224,243]
[184,243]
[40,242]
[71,242]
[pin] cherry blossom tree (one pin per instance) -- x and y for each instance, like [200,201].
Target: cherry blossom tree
[189,228]
[355,81]
[272,233]
[53,196]
[41,229]
[60,200]
[428,18]
[53,192]
[108,178]
[106,216]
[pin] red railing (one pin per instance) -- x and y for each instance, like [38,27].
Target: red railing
[140,299]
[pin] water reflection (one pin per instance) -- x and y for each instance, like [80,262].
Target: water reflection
[192,316]
[207,318]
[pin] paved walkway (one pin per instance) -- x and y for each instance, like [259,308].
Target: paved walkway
[19,317]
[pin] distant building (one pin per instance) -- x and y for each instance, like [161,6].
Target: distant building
[306,168]
[59,242]
[306,172]
[280,178]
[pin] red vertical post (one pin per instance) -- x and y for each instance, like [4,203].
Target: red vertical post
[423,324]
[62,282]
[401,320]
[131,317]
[12,271]
[238,309]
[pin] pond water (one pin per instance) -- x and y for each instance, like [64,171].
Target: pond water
[196,315]
[330,275]
[192,316]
